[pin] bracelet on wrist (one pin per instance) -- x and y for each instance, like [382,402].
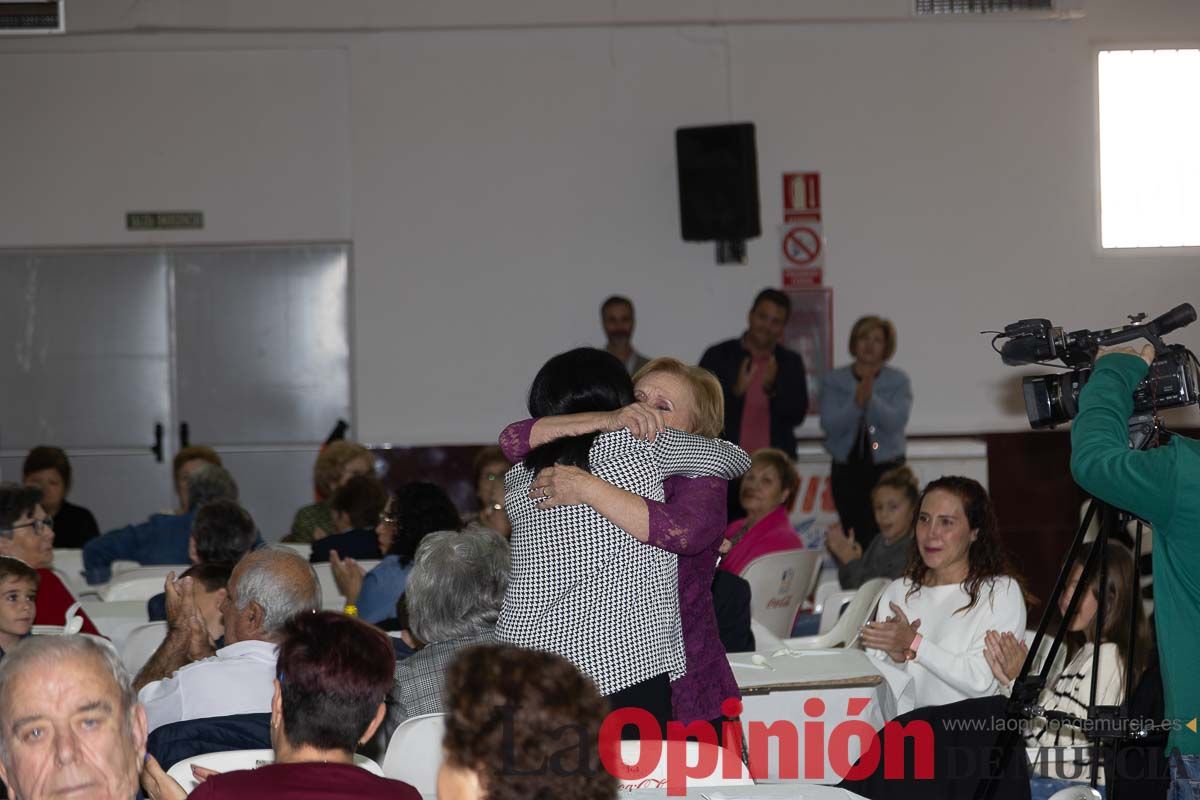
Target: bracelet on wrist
[350,610]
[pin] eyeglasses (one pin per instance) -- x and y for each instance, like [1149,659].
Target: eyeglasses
[38,525]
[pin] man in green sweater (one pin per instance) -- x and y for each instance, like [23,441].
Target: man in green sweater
[1162,486]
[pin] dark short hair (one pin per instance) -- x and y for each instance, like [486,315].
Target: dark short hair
[16,501]
[16,568]
[774,296]
[333,671]
[46,457]
[616,300]
[223,532]
[211,575]
[361,498]
[197,452]
[420,509]
[579,380]
[510,711]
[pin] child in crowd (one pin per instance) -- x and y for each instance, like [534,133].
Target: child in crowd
[18,601]
[894,499]
[1070,690]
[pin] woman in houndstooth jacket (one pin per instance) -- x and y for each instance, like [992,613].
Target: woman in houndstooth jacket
[580,586]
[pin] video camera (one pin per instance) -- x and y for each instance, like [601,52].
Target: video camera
[1053,399]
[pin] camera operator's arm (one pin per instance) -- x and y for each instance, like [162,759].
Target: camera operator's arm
[1142,482]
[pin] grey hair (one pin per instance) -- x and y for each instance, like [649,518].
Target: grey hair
[277,594]
[210,482]
[457,584]
[45,651]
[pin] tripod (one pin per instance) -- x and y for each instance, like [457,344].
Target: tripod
[1105,727]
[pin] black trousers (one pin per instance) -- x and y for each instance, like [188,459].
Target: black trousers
[652,695]
[852,484]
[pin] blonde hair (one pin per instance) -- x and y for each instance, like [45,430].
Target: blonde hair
[707,397]
[778,460]
[868,322]
[333,459]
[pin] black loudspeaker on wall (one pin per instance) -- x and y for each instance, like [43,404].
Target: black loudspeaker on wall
[718,182]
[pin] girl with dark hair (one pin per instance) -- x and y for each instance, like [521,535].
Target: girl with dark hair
[580,586]
[894,499]
[958,585]
[1070,691]
[416,510]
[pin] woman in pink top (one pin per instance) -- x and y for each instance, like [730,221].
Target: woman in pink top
[768,490]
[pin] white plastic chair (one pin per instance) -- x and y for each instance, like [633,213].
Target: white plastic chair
[414,753]
[657,778]
[303,548]
[831,609]
[122,565]
[232,760]
[779,583]
[331,598]
[68,563]
[72,624]
[141,583]
[845,630]
[1080,792]
[140,644]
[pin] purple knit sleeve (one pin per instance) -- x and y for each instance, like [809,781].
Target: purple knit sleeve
[514,440]
[693,516]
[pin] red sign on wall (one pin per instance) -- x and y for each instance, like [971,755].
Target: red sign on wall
[801,196]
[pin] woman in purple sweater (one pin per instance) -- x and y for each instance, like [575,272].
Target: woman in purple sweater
[690,523]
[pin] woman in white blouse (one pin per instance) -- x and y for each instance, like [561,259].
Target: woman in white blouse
[933,621]
[579,585]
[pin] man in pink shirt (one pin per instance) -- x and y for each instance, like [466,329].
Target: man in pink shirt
[766,392]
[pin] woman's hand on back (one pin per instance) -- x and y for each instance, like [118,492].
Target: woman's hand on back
[643,421]
[561,485]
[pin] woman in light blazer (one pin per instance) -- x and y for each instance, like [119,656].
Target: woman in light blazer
[864,409]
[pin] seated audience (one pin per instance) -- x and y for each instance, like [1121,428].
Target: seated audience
[488,470]
[72,725]
[337,463]
[164,538]
[186,679]
[957,587]
[333,674]
[1070,691]
[222,533]
[27,533]
[551,713]
[355,508]
[455,592]
[18,601]
[767,491]
[894,500]
[415,511]
[48,469]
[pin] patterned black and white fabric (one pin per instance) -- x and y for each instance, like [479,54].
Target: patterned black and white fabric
[583,588]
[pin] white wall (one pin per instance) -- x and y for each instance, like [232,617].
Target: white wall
[497,184]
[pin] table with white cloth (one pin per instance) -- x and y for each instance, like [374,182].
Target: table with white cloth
[827,694]
[790,791]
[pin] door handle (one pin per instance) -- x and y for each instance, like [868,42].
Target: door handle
[185,435]
[157,447]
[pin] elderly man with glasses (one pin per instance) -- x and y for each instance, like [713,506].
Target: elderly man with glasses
[27,533]
[72,726]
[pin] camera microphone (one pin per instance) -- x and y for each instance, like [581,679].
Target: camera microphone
[1177,317]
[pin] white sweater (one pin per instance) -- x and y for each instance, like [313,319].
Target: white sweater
[950,665]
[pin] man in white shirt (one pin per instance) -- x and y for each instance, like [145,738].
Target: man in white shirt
[187,679]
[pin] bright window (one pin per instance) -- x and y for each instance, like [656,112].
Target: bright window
[1149,148]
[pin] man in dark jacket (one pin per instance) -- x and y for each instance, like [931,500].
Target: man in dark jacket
[766,393]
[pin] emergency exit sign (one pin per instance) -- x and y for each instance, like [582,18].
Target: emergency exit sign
[164,220]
